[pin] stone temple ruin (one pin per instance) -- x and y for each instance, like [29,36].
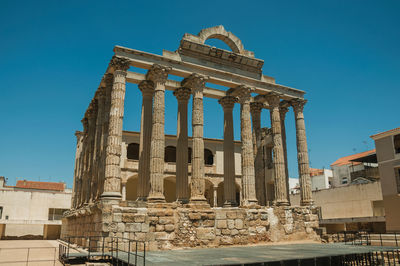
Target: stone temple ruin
[176,191]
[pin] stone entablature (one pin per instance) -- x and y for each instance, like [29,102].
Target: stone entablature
[101,167]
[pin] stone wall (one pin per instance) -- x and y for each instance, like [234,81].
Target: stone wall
[169,226]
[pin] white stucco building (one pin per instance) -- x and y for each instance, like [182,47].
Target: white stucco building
[32,209]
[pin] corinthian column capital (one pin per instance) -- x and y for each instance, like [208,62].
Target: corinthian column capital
[228,102]
[282,111]
[146,87]
[242,92]
[182,94]
[158,73]
[273,100]
[256,107]
[120,63]
[298,105]
[195,81]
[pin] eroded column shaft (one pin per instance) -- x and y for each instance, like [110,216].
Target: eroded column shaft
[182,185]
[283,111]
[278,153]
[302,154]
[258,156]
[228,102]
[112,183]
[143,188]
[157,74]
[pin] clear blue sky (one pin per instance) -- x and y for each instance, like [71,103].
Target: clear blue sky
[344,54]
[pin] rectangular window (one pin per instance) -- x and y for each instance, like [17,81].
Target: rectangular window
[344,180]
[1,212]
[56,214]
[396,140]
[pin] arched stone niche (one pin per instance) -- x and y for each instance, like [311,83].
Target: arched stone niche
[219,32]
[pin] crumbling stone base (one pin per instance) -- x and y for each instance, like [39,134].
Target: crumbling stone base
[170,226]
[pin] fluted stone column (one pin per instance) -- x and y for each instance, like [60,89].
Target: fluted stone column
[108,80]
[158,75]
[78,155]
[255,109]
[182,185]
[196,83]
[83,169]
[279,156]
[248,176]
[92,117]
[302,153]
[97,139]
[227,103]
[112,183]
[143,188]
[282,111]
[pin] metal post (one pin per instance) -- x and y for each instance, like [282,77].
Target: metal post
[129,251]
[144,253]
[102,248]
[27,258]
[54,262]
[395,237]
[89,250]
[117,250]
[69,240]
[380,236]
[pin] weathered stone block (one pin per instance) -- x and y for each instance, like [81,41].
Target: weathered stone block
[238,223]
[221,224]
[117,217]
[194,216]
[145,228]
[166,220]
[133,227]
[140,218]
[205,233]
[169,227]
[219,215]
[231,224]
[160,228]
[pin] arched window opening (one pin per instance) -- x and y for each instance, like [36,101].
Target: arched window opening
[218,44]
[133,151]
[170,154]
[208,157]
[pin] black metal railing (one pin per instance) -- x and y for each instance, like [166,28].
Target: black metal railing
[117,250]
[368,238]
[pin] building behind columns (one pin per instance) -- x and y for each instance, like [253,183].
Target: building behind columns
[186,190]
[32,209]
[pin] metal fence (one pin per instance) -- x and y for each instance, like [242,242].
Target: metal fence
[27,256]
[116,250]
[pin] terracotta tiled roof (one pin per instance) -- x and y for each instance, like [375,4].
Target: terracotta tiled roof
[347,159]
[315,171]
[40,185]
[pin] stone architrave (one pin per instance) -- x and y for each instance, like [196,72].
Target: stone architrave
[182,185]
[228,103]
[196,83]
[158,75]
[255,109]
[302,153]
[143,187]
[248,176]
[279,156]
[112,182]
[282,111]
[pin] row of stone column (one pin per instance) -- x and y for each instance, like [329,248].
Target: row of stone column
[98,166]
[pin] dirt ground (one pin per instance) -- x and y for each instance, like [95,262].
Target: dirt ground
[36,252]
